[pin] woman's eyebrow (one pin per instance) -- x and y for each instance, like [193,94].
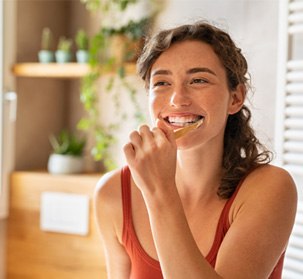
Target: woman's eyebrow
[200,70]
[190,71]
[161,72]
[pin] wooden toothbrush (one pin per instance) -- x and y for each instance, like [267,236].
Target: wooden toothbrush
[183,131]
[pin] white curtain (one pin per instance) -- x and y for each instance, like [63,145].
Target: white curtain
[289,119]
[289,114]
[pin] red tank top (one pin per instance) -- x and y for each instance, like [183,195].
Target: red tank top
[144,266]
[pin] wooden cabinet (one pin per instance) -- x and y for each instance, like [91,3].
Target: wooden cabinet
[48,101]
[35,254]
[31,252]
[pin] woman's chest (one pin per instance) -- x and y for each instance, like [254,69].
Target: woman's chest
[203,224]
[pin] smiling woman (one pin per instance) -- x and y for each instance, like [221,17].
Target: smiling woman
[207,204]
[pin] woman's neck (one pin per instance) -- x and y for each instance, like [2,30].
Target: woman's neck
[198,173]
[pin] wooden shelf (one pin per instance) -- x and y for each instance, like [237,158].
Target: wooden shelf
[51,70]
[56,70]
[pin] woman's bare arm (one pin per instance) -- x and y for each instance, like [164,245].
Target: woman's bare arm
[108,213]
[262,222]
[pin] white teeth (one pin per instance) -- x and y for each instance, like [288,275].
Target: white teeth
[183,121]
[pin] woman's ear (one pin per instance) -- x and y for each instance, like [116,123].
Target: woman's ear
[237,99]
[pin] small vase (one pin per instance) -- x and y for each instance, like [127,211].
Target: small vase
[65,164]
[63,56]
[82,56]
[46,56]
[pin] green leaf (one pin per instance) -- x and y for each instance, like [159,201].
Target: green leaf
[84,124]
[67,143]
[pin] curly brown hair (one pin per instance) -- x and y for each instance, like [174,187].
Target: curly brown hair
[242,150]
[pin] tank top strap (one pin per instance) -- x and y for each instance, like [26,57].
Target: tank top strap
[222,227]
[224,218]
[126,201]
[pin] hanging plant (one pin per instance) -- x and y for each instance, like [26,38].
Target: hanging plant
[132,32]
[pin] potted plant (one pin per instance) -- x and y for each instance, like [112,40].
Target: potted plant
[46,55]
[67,154]
[82,43]
[126,42]
[63,53]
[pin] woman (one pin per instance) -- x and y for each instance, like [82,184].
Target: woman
[208,204]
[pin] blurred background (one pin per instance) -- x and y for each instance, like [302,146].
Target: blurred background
[80,110]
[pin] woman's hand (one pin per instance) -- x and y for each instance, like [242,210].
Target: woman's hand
[151,156]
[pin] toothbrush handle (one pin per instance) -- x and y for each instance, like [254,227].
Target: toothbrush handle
[183,131]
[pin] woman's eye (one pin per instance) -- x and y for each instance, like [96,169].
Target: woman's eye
[198,80]
[160,83]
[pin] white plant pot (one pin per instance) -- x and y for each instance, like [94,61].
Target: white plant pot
[46,56]
[65,164]
[82,56]
[63,56]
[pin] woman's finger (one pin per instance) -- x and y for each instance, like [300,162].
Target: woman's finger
[129,152]
[135,138]
[146,133]
[169,133]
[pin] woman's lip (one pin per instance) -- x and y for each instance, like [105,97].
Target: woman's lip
[180,114]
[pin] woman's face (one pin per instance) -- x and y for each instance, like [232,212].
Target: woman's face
[188,83]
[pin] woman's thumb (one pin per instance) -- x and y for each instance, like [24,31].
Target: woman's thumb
[168,132]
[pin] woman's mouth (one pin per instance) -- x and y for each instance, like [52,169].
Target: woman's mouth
[183,121]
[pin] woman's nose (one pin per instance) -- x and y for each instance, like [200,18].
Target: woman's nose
[180,97]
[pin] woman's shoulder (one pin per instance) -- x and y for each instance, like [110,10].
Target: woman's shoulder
[269,177]
[108,204]
[268,185]
[108,188]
